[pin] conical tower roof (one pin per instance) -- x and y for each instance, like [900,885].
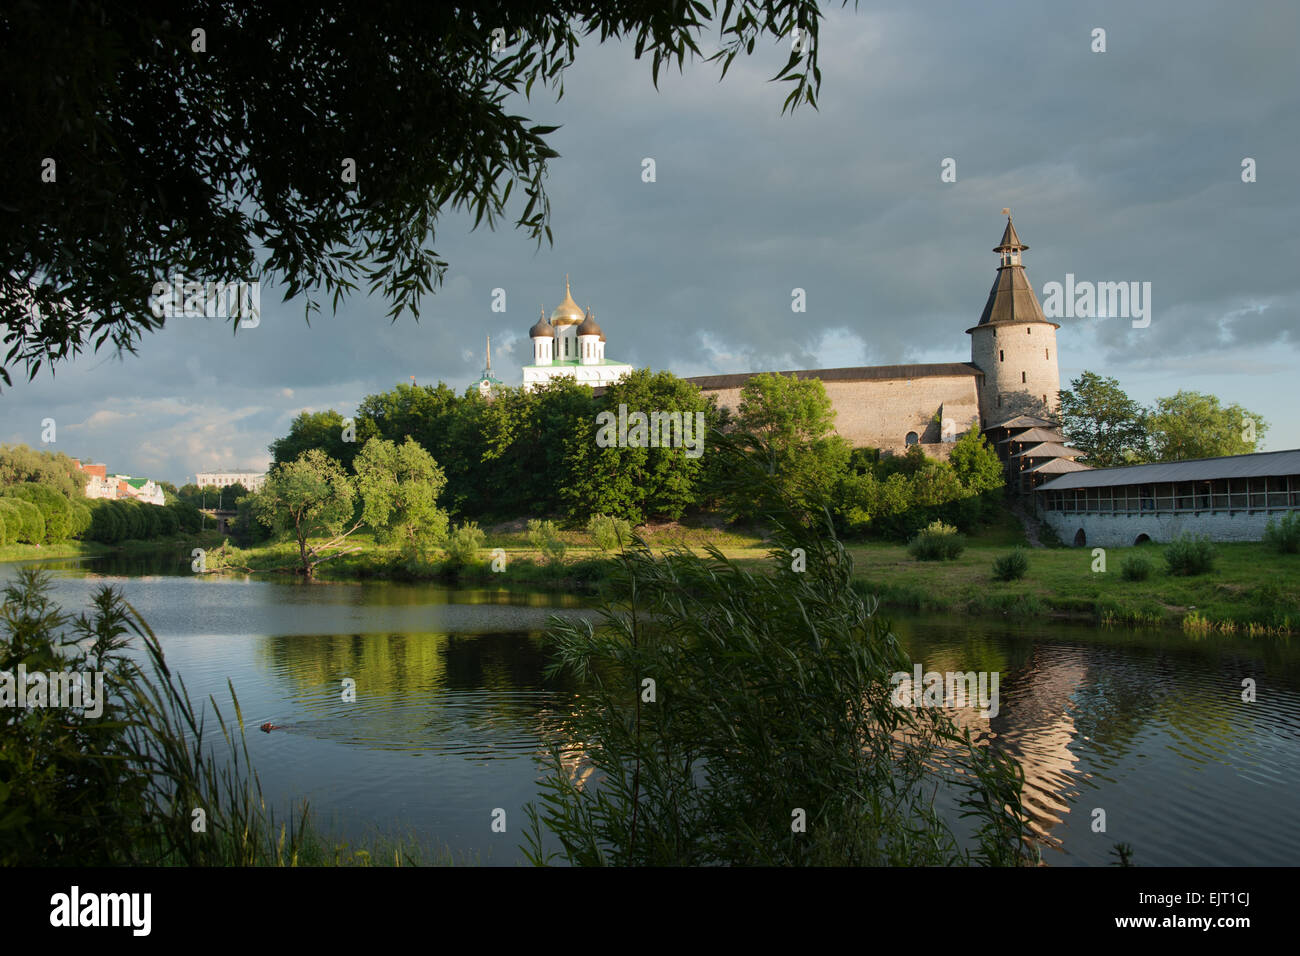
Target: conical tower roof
[1010,241]
[1012,298]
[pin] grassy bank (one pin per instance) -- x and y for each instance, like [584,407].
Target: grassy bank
[1252,589]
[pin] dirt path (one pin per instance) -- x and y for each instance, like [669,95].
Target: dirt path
[1030,523]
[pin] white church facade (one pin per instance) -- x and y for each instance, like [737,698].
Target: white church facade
[570,345]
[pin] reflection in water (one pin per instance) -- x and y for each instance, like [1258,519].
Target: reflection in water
[453,715]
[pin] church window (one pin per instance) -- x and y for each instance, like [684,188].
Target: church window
[911,439]
[1002,355]
[1047,354]
[1029,331]
[999,401]
[1022,378]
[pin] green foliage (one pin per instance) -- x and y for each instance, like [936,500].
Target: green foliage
[56,510]
[117,788]
[643,482]
[544,536]
[1190,554]
[791,423]
[937,542]
[308,497]
[772,694]
[24,520]
[1099,419]
[609,534]
[464,544]
[449,427]
[399,488]
[323,431]
[975,463]
[19,463]
[1194,425]
[1135,567]
[1284,534]
[1011,567]
[427,107]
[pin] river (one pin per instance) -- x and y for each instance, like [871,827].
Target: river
[452,709]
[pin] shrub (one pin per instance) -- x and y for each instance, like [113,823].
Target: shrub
[937,542]
[775,692]
[115,788]
[1135,568]
[463,544]
[55,508]
[1190,554]
[1284,535]
[1011,567]
[609,534]
[543,536]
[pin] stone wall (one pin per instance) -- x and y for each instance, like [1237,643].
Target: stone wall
[878,413]
[1122,530]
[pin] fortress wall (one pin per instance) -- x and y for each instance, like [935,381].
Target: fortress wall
[878,413]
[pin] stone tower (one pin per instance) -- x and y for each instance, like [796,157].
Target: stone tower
[1014,345]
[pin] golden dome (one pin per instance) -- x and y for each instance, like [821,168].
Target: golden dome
[567,313]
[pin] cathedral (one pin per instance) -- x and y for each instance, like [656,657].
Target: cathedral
[570,345]
[1009,388]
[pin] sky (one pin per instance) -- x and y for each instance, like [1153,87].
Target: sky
[1122,165]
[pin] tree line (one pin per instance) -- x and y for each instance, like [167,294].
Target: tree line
[42,501]
[536,453]
[1110,428]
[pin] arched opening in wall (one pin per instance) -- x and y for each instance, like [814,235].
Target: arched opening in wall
[1080,539]
[912,438]
[1142,539]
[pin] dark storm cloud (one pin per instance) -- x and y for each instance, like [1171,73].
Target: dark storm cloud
[1119,166]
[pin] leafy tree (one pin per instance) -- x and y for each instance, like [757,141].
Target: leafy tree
[795,422]
[321,430]
[1195,425]
[56,510]
[399,487]
[309,497]
[24,521]
[19,463]
[1099,419]
[524,459]
[638,482]
[975,463]
[252,182]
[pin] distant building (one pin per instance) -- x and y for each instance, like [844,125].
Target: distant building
[1226,499]
[98,485]
[487,382]
[251,480]
[145,490]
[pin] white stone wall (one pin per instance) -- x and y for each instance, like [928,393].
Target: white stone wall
[1005,352]
[1122,530]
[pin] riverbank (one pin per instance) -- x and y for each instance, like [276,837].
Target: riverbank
[1253,589]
